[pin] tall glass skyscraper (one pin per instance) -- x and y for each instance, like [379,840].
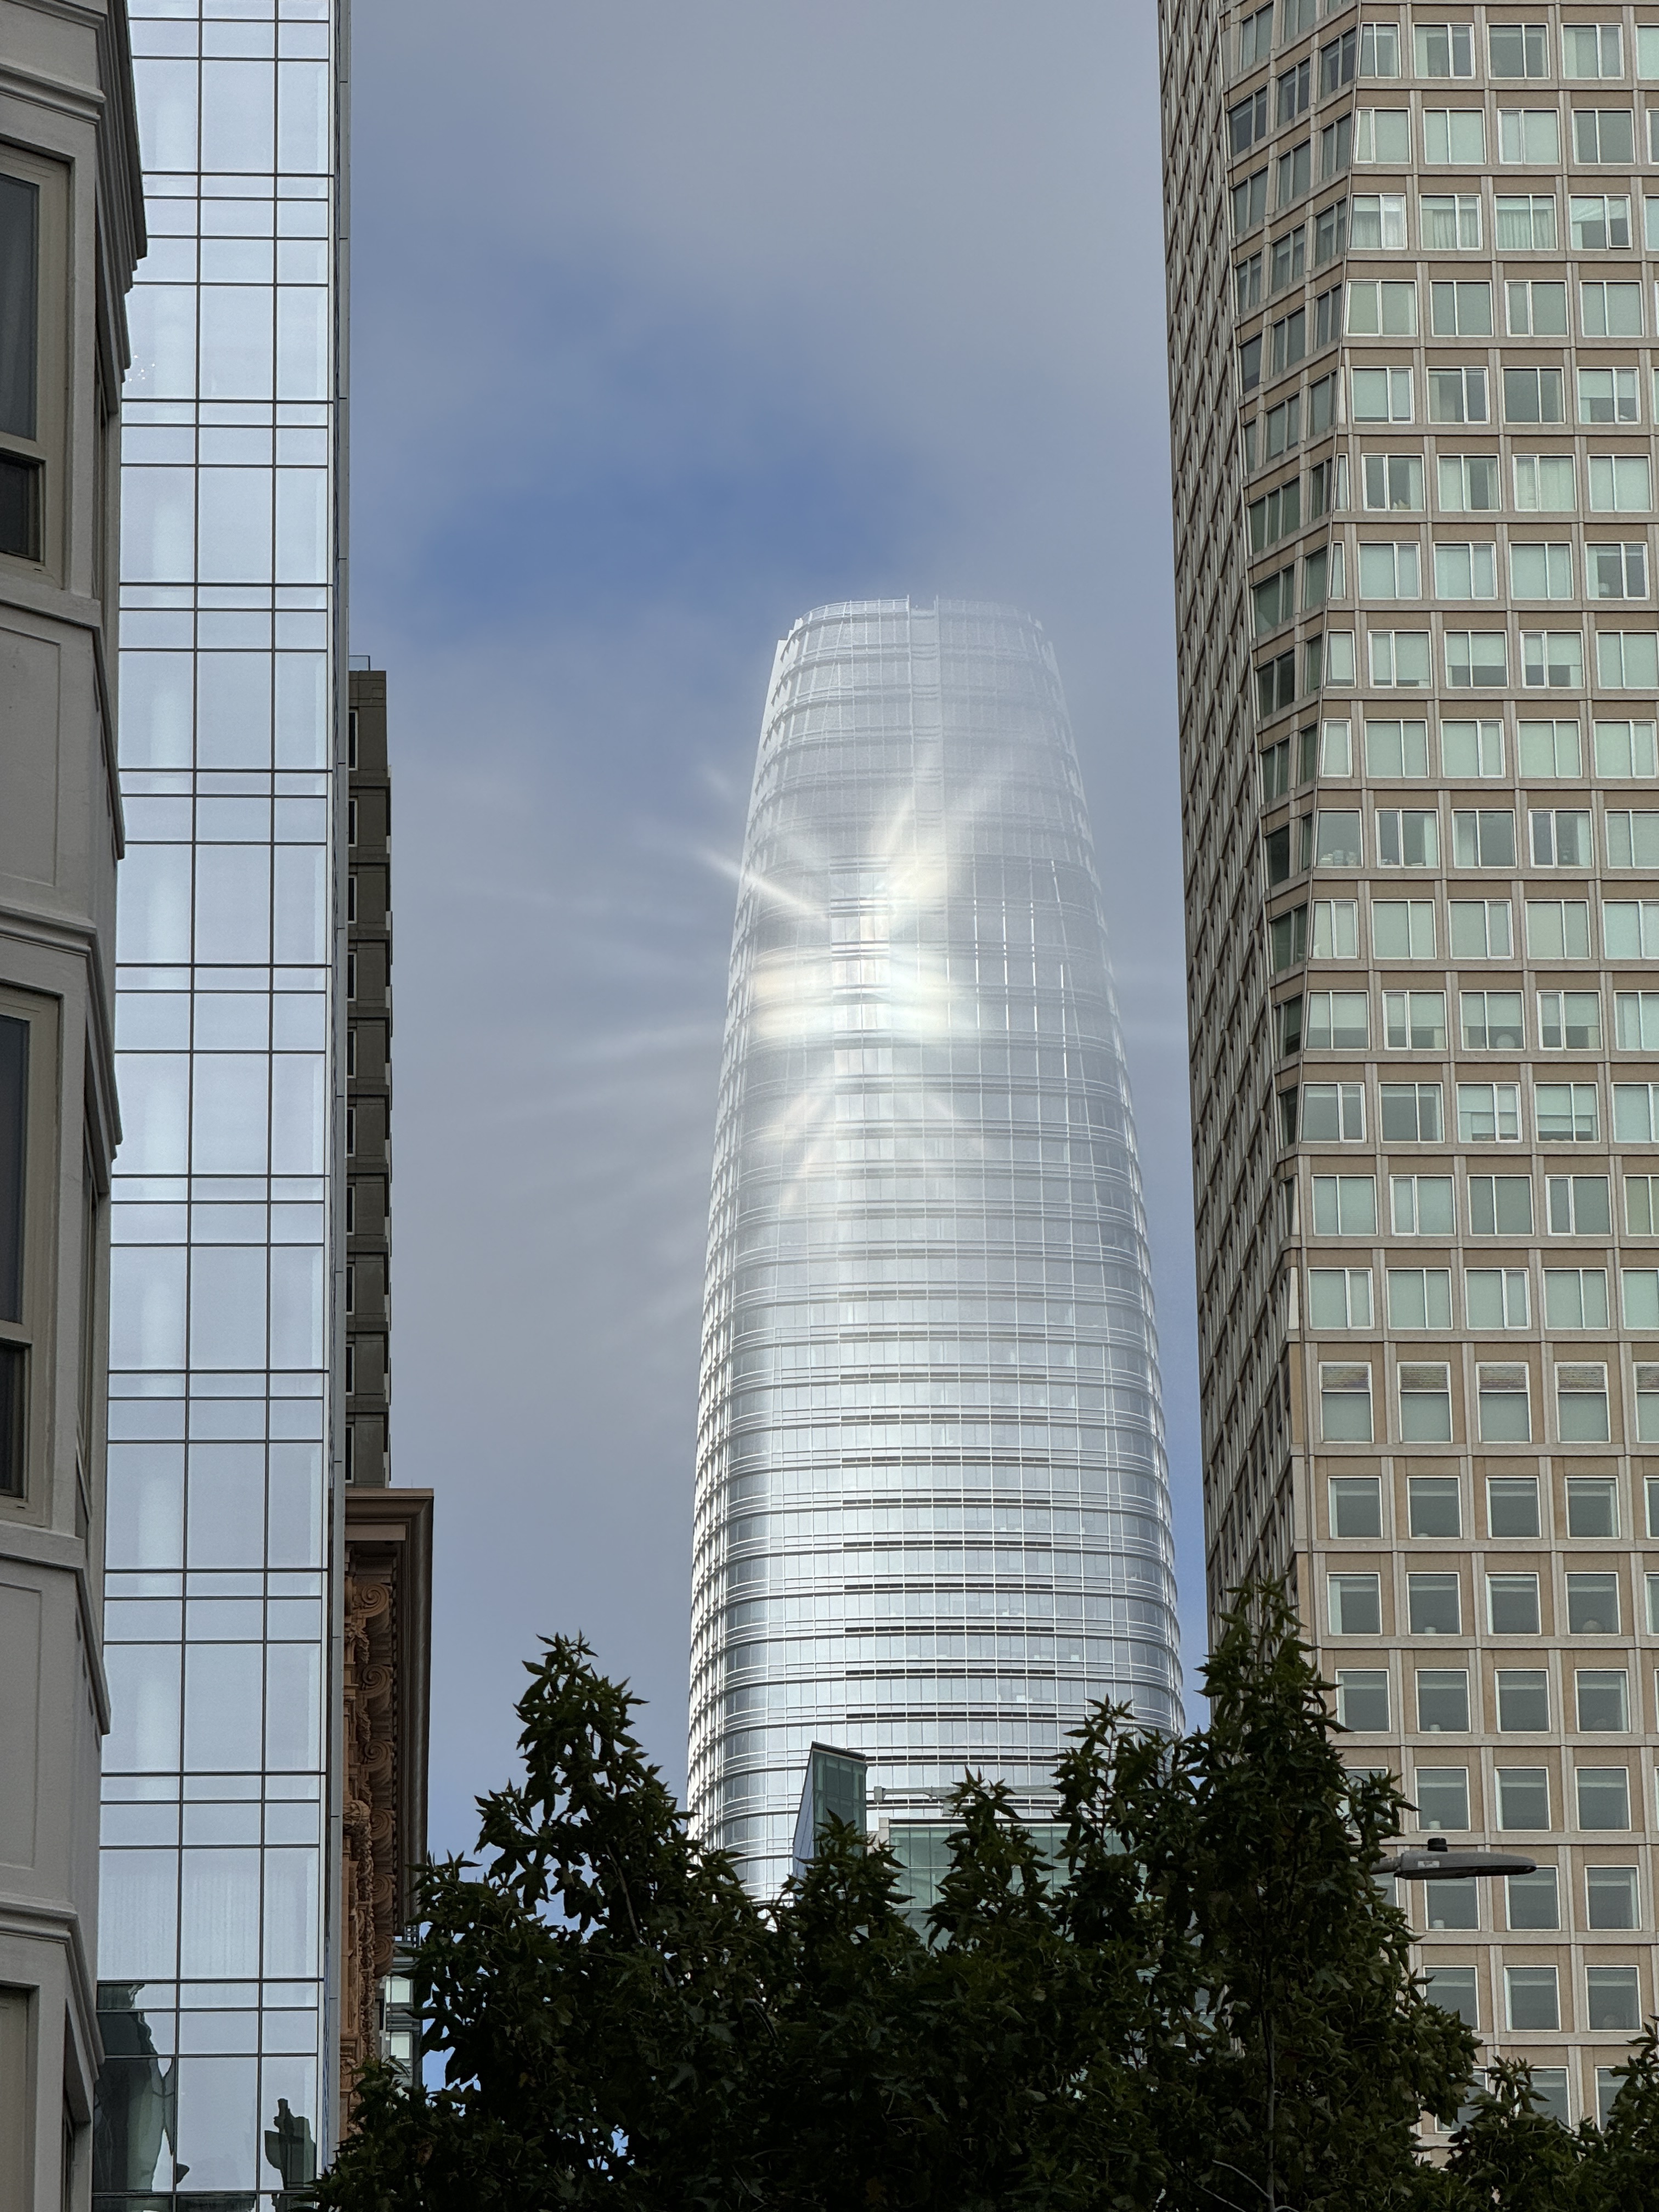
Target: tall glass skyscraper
[933,1520]
[215,1899]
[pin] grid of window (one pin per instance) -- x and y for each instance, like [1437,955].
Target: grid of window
[932,1498]
[215,1821]
[1453,913]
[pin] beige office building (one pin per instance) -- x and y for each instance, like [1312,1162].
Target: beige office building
[71,227]
[1413,350]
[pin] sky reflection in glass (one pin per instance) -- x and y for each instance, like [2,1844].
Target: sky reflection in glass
[214,1898]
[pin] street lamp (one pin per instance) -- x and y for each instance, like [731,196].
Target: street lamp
[1439,1863]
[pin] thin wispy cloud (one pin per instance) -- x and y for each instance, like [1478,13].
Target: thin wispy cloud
[703,315]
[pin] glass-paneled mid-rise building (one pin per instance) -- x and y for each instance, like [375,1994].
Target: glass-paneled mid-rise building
[933,1520]
[216,1898]
[1413,359]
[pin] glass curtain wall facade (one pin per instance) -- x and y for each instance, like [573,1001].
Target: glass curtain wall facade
[933,1508]
[216,1893]
[1412,296]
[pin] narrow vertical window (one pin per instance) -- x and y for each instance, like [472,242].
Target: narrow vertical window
[16,2087]
[19,330]
[14,1100]
[88,1298]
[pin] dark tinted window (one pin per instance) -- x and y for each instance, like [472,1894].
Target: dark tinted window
[14,1097]
[20,222]
[13,1077]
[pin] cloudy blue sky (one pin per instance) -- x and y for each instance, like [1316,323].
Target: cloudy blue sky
[672,319]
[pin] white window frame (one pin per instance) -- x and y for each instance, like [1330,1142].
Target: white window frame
[1486,731]
[1463,208]
[1583,1111]
[1608,40]
[1421,1094]
[1576,1298]
[1620,484]
[1512,1286]
[1381,307]
[1487,909]
[1553,660]
[1574,1379]
[1357,1306]
[1405,1209]
[1334,1610]
[1397,385]
[1502,1389]
[1628,659]
[1412,1290]
[1500,1103]
[1465,569]
[1419,924]
[1625,750]
[1598,298]
[1529,137]
[1465,671]
[1444,127]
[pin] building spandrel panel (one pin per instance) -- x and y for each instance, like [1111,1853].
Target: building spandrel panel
[933,1520]
[214,1957]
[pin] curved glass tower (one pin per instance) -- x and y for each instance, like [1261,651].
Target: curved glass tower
[933,1515]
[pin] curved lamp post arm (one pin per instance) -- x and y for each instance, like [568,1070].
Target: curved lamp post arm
[1439,1861]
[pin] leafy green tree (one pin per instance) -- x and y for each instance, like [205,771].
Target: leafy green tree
[1508,2154]
[838,2124]
[1207,2007]
[596,1992]
[1620,2173]
[983,2069]
[1295,2052]
[1046,2100]
[623,2024]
